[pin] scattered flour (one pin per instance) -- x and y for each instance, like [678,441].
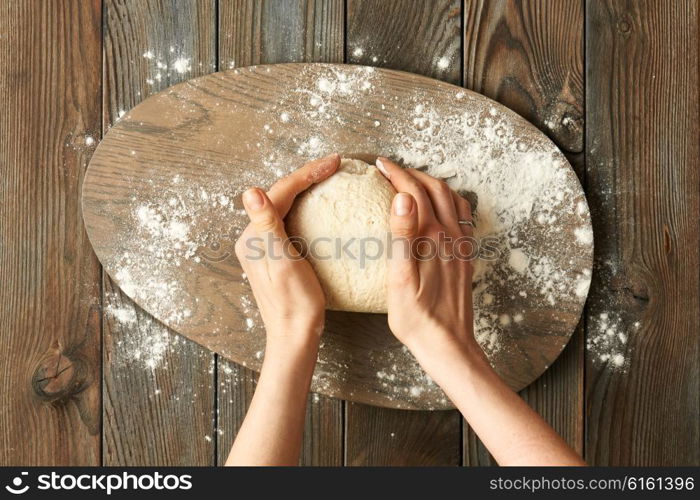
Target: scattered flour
[607,341]
[584,235]
[583,283]
[163,68]
[522,188]
[146,346]
[165,227]
[518,260]
[181,65]
[443,63]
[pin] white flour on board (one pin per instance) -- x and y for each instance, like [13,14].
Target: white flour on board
[518,185]
[167,226]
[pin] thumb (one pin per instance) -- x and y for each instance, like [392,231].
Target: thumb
[404,226]
[264,218]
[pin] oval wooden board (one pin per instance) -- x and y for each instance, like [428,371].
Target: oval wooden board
[161,203]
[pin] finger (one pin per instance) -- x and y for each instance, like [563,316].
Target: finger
[284,191]
[403,182]
[403,223]
[267,224]
[464,213]
[440,196]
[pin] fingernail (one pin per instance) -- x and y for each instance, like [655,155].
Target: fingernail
[403,203]
[253,199]
[382,168]
[325,167]
[329,161]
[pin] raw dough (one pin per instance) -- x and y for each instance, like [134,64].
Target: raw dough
[348,210]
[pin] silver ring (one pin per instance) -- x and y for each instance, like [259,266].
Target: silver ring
[466,223]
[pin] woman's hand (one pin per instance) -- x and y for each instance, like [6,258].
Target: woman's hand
[430,311]
[286,289]
[430,273]
[292,306]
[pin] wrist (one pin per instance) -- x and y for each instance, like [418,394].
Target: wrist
[437,351]
[297,345]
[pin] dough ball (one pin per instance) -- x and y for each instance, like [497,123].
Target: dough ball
[343,223]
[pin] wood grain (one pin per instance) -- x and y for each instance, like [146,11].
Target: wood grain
[642,147]
[161,414]
[252,32]
[408,35]
[50,53]
[414,36]
[378,436]
[529,56]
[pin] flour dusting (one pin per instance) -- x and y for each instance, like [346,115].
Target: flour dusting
[146,347]
[166,224]
[607,340]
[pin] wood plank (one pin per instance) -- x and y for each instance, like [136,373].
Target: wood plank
[420,37]
[529,56]
[409,35]
[252,32]
[50,53]
[159,388]
[642,146]
[379,436]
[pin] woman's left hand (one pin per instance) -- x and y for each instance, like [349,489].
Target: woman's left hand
[286,289]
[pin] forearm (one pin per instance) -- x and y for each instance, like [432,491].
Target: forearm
[512,431]
[272,431]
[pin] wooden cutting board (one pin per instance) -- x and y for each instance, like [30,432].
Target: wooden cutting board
[161,203]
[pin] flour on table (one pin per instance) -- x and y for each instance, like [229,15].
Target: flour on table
[443,63]
[584,235]
[181,65]
[518,260]
[607,340]
[147,346]
[166,225]
[163,65]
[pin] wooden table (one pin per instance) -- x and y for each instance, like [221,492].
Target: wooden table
[613,83]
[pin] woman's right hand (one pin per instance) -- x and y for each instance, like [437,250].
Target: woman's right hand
[429,297]
[430,311]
